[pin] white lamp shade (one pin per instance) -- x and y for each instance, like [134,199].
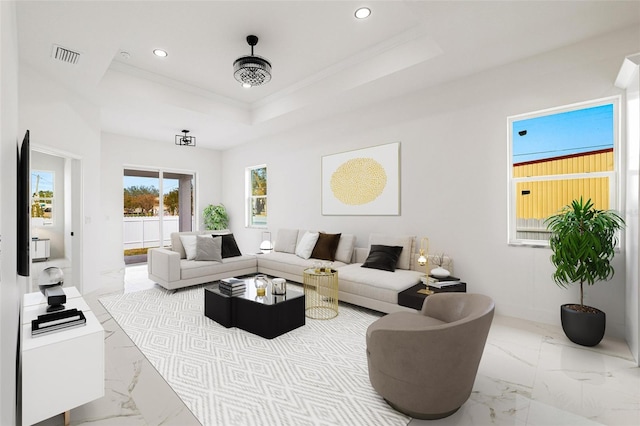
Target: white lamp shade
[266,246]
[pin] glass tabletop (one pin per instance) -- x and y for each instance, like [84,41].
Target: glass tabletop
[250,293]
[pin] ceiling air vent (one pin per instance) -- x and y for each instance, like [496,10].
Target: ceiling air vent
[65,55]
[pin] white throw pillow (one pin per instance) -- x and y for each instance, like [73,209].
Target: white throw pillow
[306,244]
[189,243]
[286,240]
[345,248]
[209,248]
[406,241]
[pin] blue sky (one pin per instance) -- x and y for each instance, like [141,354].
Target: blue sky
[565,133]
[169,184]
[45,183]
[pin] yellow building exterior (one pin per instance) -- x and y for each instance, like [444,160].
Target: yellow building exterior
[540,199]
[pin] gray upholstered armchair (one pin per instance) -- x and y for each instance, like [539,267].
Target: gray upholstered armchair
[424,363]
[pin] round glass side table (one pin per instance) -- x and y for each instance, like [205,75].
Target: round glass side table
[320,293]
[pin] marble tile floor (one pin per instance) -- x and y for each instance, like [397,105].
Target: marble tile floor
[530,374]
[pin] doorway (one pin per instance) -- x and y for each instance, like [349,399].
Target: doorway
[155,204]
[56,212]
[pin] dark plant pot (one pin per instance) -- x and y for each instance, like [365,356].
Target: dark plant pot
[583,328]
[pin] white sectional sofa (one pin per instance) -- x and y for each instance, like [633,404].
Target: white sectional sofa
[171,269]
[371,288]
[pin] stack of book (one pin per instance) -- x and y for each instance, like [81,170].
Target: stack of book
[232,286]
[57,321]
[442,282]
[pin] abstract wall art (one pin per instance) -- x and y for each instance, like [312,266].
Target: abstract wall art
[362,182]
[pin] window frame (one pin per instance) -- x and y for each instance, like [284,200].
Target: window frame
[613,175]
[249,198]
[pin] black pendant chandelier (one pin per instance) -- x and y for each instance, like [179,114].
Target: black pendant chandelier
[252,70]
[185,140]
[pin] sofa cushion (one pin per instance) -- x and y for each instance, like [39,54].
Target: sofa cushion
[383,257]
[326,247]
[189,244]
[376,284]
[406,241]
[344,252]
[208,248]
[190,269]
[286,240]
[287,263]
[229,246]
[306,244]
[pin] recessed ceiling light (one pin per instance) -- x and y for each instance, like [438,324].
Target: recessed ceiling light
[363,12]
[160,52]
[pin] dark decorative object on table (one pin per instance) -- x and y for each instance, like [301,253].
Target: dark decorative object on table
[50,283]
[583,241]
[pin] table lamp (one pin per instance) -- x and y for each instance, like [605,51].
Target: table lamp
[266,246]
[423,260]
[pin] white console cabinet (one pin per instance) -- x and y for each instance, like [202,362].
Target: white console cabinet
[60,370]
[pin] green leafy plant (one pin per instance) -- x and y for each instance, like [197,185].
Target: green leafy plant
[216,217]
[583,241]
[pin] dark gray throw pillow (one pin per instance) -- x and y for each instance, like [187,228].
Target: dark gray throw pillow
[383,257]
[229,246]
[208,248]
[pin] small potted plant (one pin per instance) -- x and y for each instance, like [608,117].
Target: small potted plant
[215,217]
[583,241]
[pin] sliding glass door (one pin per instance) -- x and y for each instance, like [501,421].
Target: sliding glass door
[155,204]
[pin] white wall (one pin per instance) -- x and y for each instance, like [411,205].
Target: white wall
[11,289]
[632,297]
[453,173]
[120,151]
[61,121]
[55,232]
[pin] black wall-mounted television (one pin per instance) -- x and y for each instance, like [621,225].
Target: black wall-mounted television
[24,207]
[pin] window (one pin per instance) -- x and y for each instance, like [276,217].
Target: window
[42,202]
[256,180]
[557,156]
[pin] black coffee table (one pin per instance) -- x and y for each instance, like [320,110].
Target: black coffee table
[268,316]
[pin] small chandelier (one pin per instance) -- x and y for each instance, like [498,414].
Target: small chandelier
[185,140]
[252,70]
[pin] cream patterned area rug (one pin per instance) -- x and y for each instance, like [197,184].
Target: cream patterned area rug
[314,375]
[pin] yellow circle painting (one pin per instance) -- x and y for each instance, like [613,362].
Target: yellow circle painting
[358,181]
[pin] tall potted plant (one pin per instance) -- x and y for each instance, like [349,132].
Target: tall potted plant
[216,217]
[583,241]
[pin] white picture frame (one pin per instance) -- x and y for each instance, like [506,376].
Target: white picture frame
[362,182]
